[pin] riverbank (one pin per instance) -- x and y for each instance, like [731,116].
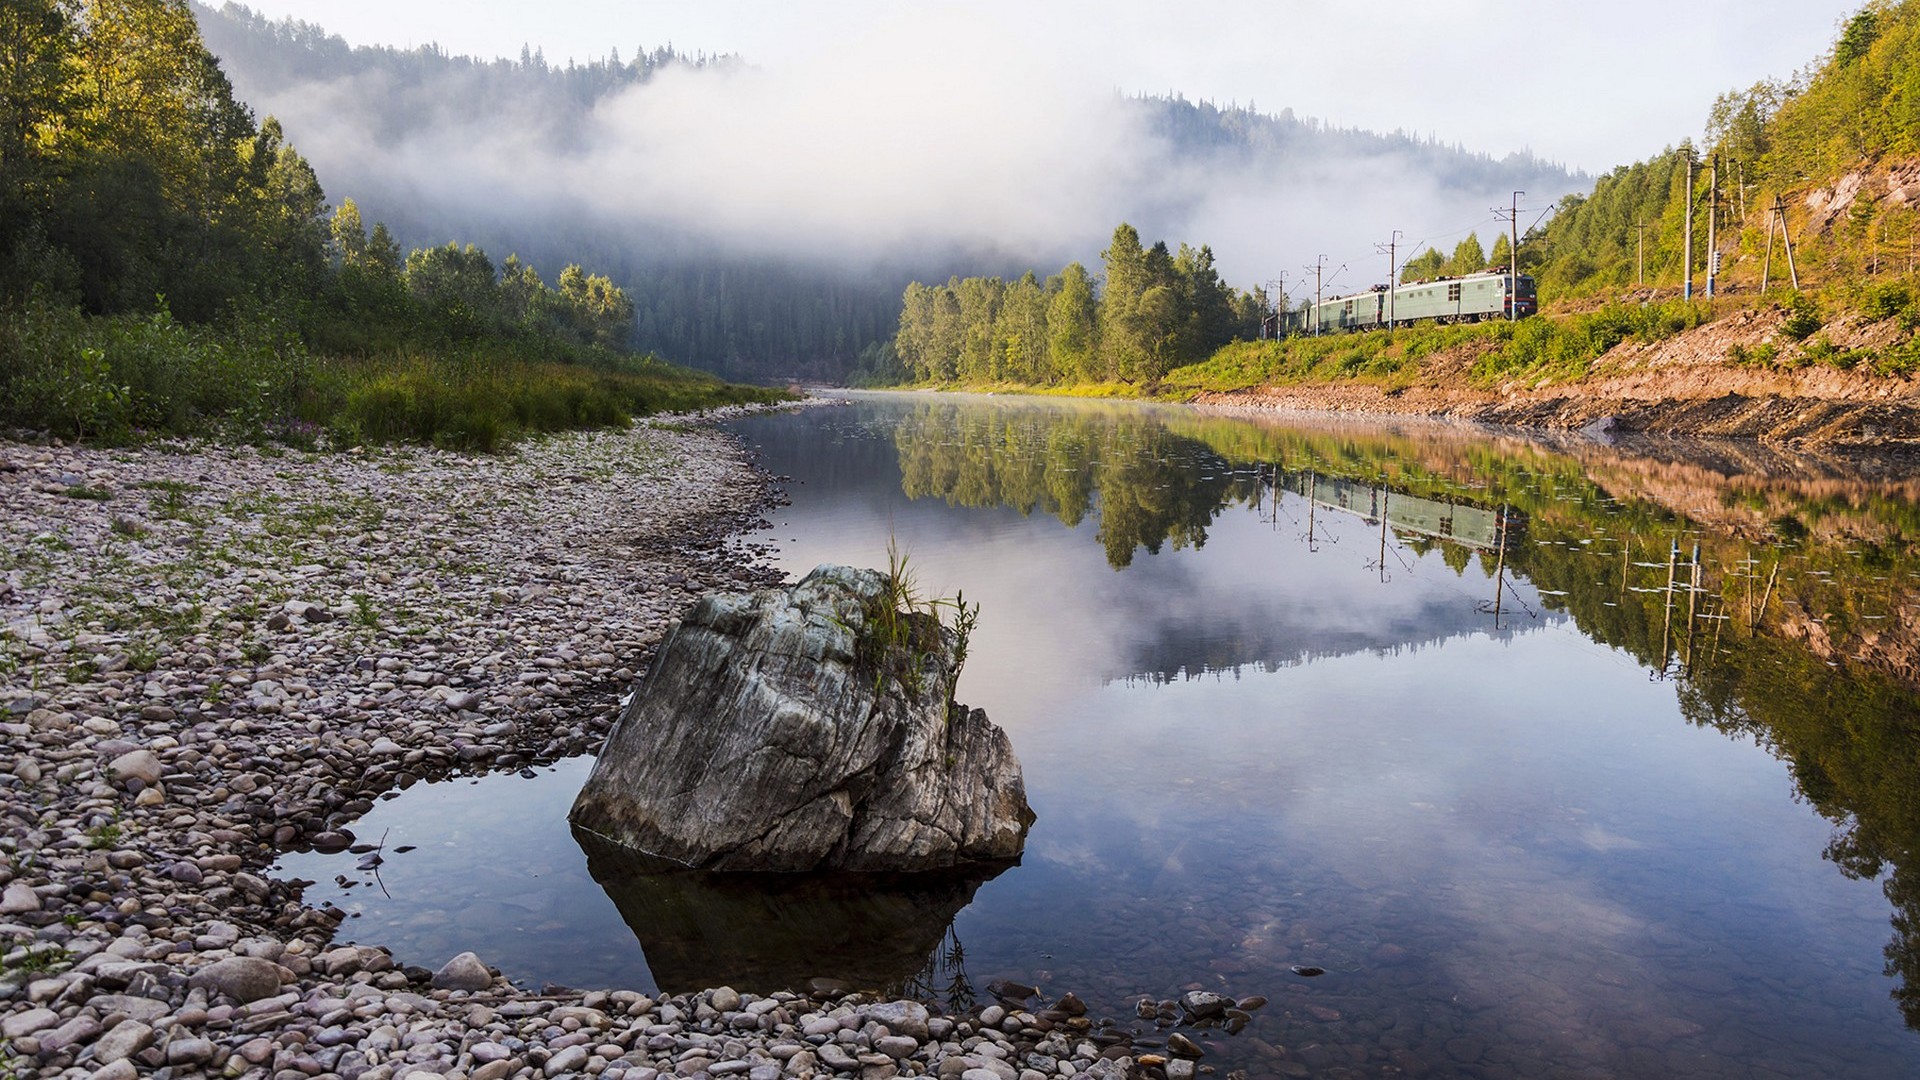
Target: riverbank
[1684,385]
[213,654]
[1738,376]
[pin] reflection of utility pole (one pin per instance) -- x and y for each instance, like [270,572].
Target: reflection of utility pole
[1393,285]
[1666,627]
[1385,497]
[1313,498]
[1693,603]
[1500,568]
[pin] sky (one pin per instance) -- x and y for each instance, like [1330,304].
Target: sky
[1588,85]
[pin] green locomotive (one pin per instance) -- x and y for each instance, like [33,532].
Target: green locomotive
[1467,298]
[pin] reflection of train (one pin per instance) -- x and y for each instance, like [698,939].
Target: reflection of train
[1469,298]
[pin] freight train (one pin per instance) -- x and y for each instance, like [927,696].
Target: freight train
[1469,298]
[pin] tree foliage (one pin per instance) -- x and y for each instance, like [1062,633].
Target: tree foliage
[1857,106]
[1158,309]
[165,260]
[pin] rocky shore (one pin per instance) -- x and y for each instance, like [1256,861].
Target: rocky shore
[215,653]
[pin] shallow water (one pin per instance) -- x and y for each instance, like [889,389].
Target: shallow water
[1462,720]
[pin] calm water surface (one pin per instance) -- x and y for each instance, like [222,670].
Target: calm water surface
[1589,762]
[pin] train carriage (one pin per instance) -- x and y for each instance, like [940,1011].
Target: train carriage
[1468,298]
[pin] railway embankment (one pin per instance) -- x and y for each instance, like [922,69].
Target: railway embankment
[1741,376]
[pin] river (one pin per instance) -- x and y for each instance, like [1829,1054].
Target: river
[1555,760]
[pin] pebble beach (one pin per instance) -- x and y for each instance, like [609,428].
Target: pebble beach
[212,654]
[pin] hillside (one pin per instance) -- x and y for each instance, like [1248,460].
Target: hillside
[1828,160]
[526,156]
[1836,145]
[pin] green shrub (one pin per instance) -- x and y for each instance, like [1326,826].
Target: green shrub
[119,378]
[1803,317]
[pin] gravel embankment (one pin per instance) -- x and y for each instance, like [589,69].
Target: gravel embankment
[210,654]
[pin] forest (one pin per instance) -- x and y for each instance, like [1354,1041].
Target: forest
[1855,108]
[170,264]
[745,311]
[1154,310]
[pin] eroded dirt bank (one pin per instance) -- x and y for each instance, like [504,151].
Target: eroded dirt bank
[1683,386]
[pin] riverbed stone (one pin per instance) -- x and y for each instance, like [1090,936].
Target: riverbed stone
[19,899]
[142,765]
[123,1040]
[242,978]
[463,972]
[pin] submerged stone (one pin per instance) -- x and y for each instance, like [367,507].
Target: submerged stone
[772,734]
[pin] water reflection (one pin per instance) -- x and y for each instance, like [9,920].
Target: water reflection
[1285,694]
[1776,591]
[768,931]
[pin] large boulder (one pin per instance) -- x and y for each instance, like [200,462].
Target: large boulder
[808,728]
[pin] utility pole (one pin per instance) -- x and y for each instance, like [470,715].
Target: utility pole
[1686,244]
[1389,249]
[1640,253]
[1713,211]
[1279,304]
[1318,270]
[1512,214]
[1778,213]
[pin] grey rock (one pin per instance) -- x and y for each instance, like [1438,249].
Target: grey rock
[763,740]
[19,899]
[141,765]
[74,1033]
[565,1061]
[463,972]
[909,1018]
[189,1051]
[26,1023]
[835,1056]
[124,1040]
[1203,1004]
[726,999]
[118,1070]
[242,978]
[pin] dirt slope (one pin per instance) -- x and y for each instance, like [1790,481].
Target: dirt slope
[1683,386]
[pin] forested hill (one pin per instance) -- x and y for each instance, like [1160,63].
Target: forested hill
[498,152]
[1837,145]
[1205,129]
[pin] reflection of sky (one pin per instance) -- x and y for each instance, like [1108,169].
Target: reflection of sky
[1378,746]
[1507,837]
[1054,614]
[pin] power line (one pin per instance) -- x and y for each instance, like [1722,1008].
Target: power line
[1389,249]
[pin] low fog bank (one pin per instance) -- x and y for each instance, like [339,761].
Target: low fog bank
[806,193]
[902,147]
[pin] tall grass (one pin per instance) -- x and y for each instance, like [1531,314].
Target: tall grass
[118,379]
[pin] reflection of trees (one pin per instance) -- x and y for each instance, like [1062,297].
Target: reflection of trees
[943,979]
[1815,662]
[1153,487]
